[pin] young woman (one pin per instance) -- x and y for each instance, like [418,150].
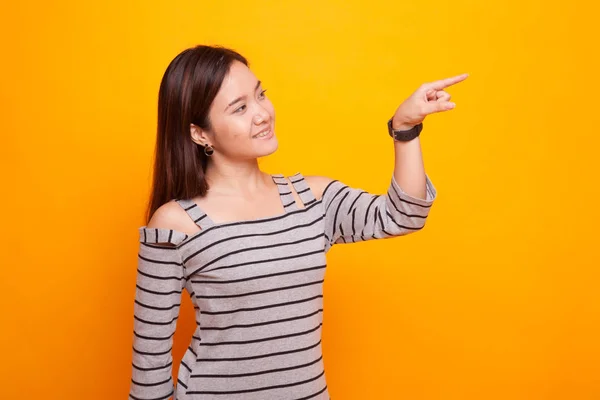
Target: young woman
[249,247]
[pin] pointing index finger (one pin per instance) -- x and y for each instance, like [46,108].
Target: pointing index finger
[444,83]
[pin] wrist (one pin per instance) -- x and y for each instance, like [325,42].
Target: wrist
[404,131]
[399,125]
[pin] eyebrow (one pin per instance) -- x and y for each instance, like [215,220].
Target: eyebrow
[241,97]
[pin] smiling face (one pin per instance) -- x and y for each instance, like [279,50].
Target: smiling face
[242,118]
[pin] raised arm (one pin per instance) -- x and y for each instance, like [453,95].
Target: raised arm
[429,98]
[353,214]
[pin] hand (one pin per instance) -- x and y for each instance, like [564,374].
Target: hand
[429,98]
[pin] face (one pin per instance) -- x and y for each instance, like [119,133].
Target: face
[242,118]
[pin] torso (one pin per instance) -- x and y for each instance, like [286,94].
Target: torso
[256,282]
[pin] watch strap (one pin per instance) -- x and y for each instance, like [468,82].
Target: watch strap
[406,135]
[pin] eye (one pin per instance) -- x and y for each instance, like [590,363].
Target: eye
[240,108]
[262,94]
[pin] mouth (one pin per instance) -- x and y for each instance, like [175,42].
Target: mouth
[264,134]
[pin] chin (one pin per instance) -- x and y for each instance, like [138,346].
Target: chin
[269,147]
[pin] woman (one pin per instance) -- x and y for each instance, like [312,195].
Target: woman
[249,247]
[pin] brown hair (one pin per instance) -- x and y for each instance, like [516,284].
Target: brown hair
[187,90]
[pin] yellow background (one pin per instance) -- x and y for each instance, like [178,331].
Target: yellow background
[497,298]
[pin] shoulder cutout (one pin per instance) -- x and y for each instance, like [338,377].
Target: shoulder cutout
[318,184]
[169,224]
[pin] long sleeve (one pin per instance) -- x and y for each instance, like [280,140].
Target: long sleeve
[159,285]
[353,215]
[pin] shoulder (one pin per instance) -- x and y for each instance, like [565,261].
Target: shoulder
[172,216]
[318,184]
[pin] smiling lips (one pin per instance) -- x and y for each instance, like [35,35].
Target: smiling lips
[264,133]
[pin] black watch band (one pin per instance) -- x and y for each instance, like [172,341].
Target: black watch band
[405,136]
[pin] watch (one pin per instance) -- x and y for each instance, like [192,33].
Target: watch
[407,135]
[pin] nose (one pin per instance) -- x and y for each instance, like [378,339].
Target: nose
[261,116]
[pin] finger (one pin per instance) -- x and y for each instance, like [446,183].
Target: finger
[444,83]
[431,95]
[442,96]
[434,95]
[438,106]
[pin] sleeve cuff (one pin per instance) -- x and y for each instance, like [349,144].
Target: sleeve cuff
[430,190]
[161,235]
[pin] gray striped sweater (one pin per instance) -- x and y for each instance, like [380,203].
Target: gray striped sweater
[257,290]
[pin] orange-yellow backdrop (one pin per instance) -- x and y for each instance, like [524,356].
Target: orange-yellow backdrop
[497,298]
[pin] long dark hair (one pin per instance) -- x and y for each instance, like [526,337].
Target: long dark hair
[187,90]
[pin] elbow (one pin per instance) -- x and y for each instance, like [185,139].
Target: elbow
[402,224]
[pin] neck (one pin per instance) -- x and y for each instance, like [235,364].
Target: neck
[236,178]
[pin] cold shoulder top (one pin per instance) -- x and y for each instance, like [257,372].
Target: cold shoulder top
[257,290]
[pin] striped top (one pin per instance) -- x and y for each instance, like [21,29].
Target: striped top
[257,290]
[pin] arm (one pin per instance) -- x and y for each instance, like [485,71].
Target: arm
[353,215]
[156,309]
[159,284]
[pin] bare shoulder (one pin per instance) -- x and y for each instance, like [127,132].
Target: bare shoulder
[172,216]
[318,184]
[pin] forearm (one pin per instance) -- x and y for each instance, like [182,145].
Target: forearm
[409,170]
[429,98]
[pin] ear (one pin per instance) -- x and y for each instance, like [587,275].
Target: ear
[199,135]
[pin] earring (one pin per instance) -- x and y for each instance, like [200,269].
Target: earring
[208,150]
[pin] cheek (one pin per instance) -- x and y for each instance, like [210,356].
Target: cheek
[234,128]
